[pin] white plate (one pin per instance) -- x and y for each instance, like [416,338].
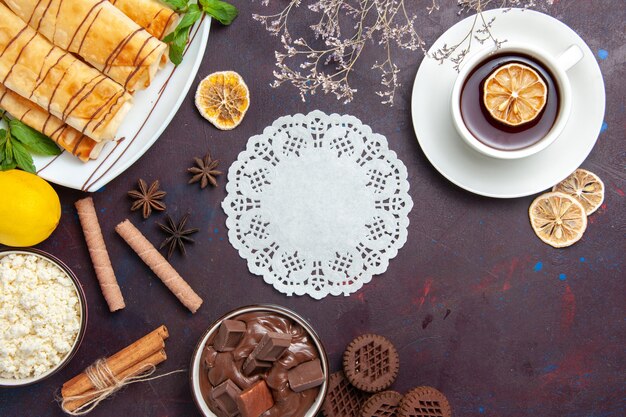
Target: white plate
[152,111]
[480,174]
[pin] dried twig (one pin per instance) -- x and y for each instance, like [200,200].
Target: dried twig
[382,23]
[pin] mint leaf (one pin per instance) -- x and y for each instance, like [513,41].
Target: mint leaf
[177,5]
[177,40]
[177,45]
[3,139]
[32,140]
[23,158]
[193,14]
[223,12]
[8,149]
[5,166]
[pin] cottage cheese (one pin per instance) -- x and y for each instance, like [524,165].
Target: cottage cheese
[39,316]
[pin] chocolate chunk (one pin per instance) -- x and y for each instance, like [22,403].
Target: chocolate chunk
[254,366]
[305,376]
[229,335]
[272,346]
[219,372]
[225,396]
[255,400]
[209,356]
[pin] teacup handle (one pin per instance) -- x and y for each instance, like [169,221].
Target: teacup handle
[570,57]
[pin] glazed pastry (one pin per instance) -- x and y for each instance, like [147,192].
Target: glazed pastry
[34,116]
[152,15]
[58,82]
[100,34]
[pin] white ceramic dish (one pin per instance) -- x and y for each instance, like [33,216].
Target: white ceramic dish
[8,383]
[484,175]
[152,111]
[194,371]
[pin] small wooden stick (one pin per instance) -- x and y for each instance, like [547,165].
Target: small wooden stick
[122,360]
[159,265]
[152,360]
[99,255]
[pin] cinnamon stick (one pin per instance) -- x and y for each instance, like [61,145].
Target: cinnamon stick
[152,360]
[157,263]
[99,255]
[121,361]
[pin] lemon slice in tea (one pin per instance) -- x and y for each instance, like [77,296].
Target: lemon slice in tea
[558,219]
[223,99]
[514,94]
[584,186]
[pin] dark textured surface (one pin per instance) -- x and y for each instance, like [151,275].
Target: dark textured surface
[476,304]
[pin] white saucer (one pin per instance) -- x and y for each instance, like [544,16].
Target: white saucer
[480,174]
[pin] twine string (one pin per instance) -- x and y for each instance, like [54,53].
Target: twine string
[106,384]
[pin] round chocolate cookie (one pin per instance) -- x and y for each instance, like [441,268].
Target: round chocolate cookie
[371,363]
[342,399]
[383,404]
[424,402]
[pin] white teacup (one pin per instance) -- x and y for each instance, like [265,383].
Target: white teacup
[556,65]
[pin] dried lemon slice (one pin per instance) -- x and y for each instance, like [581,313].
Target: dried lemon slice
[558,219]
[223,99]
[514,94]
[584,186]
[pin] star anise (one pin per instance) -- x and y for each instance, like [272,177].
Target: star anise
[147,198]
[204,171]
[178,235]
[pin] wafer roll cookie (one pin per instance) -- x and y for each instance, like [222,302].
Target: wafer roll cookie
[159,265]
[99,255]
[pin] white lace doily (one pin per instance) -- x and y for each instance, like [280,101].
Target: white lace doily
[317,204]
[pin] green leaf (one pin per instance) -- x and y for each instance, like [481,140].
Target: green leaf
[5,166]
[177,46]
[179,37]
[3,139]
[224,13]
[6,163]
[177,5]
[34,141]
[23,158]
[187,21]
[8,149]
[193,14]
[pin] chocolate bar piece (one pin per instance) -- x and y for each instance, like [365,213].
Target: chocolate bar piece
[229,335]
[272,346]
[217,375]
[255,400]
[254,366]
[225,396]
[306,375]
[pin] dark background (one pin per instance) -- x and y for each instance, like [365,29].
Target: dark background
[476,304]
